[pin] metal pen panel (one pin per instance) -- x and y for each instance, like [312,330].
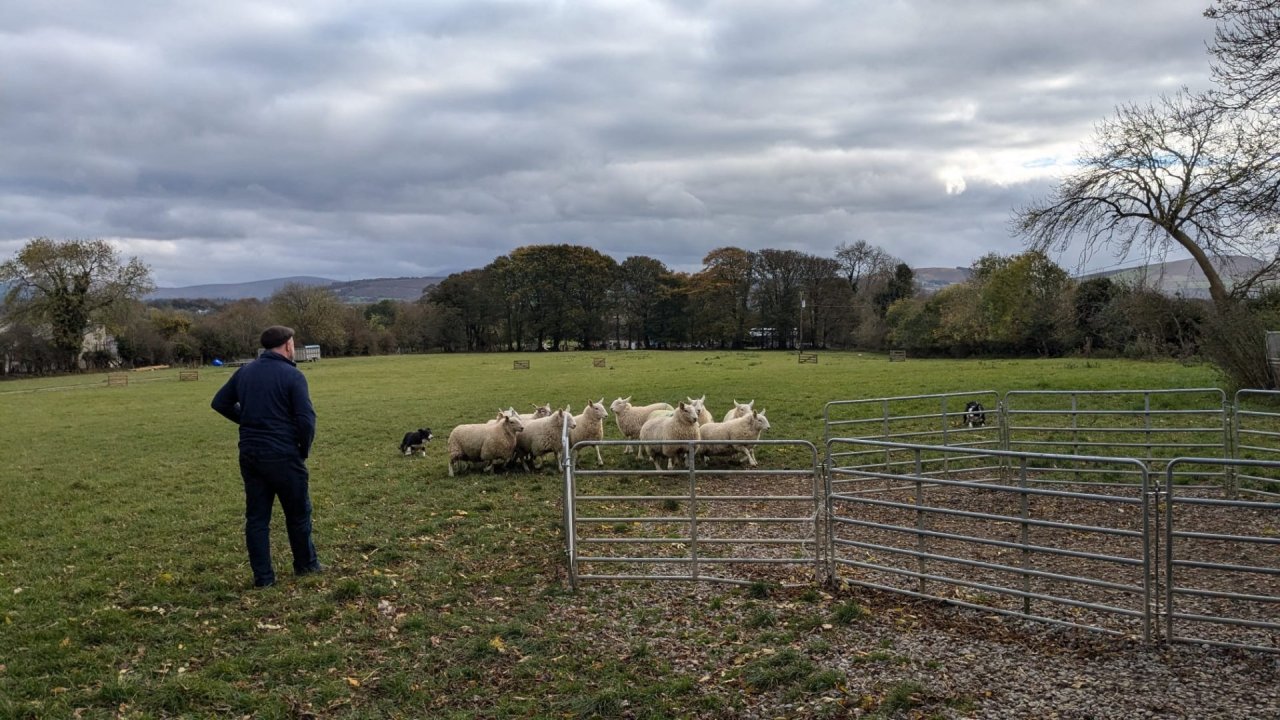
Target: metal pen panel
[700,522]
[1076,556]
[1222,562]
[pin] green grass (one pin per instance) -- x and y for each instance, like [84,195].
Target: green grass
[124,587]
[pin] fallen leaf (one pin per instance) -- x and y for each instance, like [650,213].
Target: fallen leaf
[353,682]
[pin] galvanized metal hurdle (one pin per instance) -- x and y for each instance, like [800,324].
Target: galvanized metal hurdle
[1256,436]
[1210,594]
[1149,425]
[920,540]
[935,419]
[693,551]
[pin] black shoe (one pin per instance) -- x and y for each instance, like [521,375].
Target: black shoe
[263,583]
[318,568]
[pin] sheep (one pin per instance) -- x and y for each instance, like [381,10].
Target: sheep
[490,442]
[747,427]
[539,411]
[631,418]
[590,426]
[681,424]
[704,415]
[739,410]
[541,436]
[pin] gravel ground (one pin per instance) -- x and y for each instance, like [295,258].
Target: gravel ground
[957,662]
[924,659]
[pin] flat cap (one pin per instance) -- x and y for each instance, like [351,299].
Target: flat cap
[275,336]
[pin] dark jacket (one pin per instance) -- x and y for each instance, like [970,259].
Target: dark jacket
[268,399]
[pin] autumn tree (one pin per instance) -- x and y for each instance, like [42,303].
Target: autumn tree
[721,294]
[779,280]
[640,292]
[315,314]
[1023,300]
[67,285]
[467,295]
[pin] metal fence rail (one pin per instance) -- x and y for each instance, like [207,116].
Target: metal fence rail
[1257,437]
[1012,548]
[1221,564]
[1149,425]
[936,419]
[697,522]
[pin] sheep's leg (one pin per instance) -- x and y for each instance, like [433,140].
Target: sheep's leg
[450,467]
[599,457]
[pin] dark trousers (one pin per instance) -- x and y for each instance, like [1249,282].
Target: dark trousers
[265,479]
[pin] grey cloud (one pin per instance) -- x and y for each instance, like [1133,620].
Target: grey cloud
[244,139]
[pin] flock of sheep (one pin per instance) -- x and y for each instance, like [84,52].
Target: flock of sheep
[511,437]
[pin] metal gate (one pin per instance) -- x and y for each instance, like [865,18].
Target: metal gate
[698,521]
[1047,546]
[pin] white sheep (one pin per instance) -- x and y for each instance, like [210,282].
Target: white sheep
[631,418]
[747,427]
[539,411]
[704,415]
[739,410]
[541,436]
[489,442]
[590,426]
[681,424]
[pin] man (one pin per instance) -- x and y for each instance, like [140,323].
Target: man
[268,399]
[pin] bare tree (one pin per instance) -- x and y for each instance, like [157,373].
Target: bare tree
[860,259]
[1182,172]
[1246,52]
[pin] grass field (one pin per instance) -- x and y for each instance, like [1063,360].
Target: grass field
[125,591]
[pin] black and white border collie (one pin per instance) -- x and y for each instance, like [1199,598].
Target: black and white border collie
[416,441]
[974,414]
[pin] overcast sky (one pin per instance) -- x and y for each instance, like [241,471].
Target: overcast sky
[244,139]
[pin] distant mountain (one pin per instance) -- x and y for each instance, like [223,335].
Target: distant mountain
[261,289]
[375,289]
[1181,277]
[354,291]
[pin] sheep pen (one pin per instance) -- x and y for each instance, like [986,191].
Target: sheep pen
[763,533]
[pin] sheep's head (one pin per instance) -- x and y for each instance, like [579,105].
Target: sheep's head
[687,412]
[562,414]
[596,410]
[759,421]
[620,404]
[540,411]
[512,419]
[742,409]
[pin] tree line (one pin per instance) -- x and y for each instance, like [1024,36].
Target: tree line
[568,297]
